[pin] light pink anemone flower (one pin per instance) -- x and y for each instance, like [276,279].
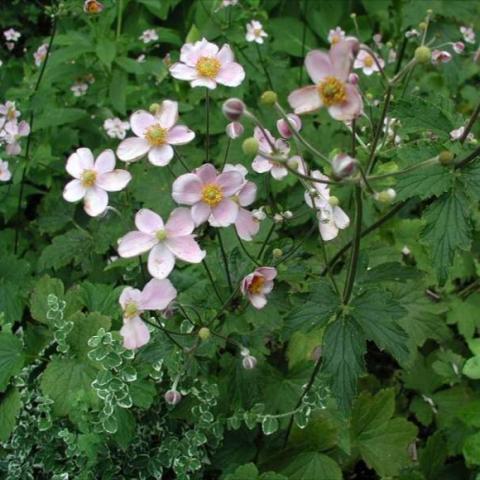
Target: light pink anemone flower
[257,285]
[329,72]
[156,295]
[204,65]
[210,194]
[366,62]
[440,56]
[5,174]
[154,135]
[164,241]
[93,179]
[261,164]
[12,132]
[246,224]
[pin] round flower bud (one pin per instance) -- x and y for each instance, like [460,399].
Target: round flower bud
[259,214]
[387,196]
[250,146]
[423,54]
[249,362]
[233,109]
[293,163]
[344,166]
[446,157]
[287,214]
[204,333]
[422,25]
[277,252]
[278,218]
[353,79]
[154,108]
[333,201]
[172,397]
[283,126]
[234,130]
[268,98]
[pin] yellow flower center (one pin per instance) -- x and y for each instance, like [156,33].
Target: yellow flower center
[212,194]
[88,178]
[11,113]
[131,310]
[256,286]
[368,61]
[208,67]
[332,91]
[156,135]
[335,39]
[257,32]
[161,235]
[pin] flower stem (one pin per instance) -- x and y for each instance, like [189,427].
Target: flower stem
[207,119]
[226,153]
[470,124]
[225,260]
[119,18]
[180,159]
[267,238]
[262,63]
[212,281]
[245,251]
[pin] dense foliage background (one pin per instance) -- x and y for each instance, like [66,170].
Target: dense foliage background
[397,393]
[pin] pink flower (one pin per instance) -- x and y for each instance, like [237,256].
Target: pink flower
[9,111]
[458,47]
[156,295]
[166,242]
[336,35]
[93,179]
[234,130]
[366,62]
[5,174]
[40,54]
[209,194]
[257,285]
[155,135]
[255,32]
[12,132]
[261,164]
[204,65]
[149,36]
[283,126]
[11,35]
[468,34]
[441,56]
[329,71]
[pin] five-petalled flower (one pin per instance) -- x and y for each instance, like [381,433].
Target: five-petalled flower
[255,32]
[257,285]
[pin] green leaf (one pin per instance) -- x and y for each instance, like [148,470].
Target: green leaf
[447,230]
[465,315]
[424,183]
[38,300]
[472,368]
[287,36]
[126,427]
[106,51]
[10,408]
[312,465]
[118,90]
[100,298]
[159,9]
[344,346]
[11,357]
[85,327]
[55,117]
[433,456]
[471,449]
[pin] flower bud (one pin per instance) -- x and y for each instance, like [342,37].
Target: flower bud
[233,109]
[259,214]
[268,98]
[293,163]
[446,157]
[458,47]
[287,214]
[277,252]
[284,128]
[422,25]
[234,130]
[204,333]
[278,218]
[344,166]
[386,196]
[172,397]
[353,79]
[250,146]
[154,108]
[249,362]
[423,54]
[333,201]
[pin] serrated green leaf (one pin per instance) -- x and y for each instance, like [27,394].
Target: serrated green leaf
[85,327]
[312,465]
[106,51]
[11,357]
[10,407]
[424,183]
[118,90]
[55,117]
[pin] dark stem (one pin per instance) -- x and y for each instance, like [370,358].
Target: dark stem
[226,153]
[225,260]
[212,281]
[472,156]
[262,63]
[245,251]
[180,159]
[207,113]
[470,124]
[297,246]
[267,238]
[401,54]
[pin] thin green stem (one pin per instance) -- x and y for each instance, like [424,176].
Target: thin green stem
[426,163]
[207,119]
[225,260]
[294,249]
[212,281]
[329,273]
[265,242]
[119,18]
[245,251]
[264,67]
[180,159]
[226,154]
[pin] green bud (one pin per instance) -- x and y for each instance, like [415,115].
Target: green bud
[423,54]
[154,108]
[446,157]
[292,163]
[422,25]
[204,333]
[387,196]
[277,252]
[333,201]
[250,146]
[268,98]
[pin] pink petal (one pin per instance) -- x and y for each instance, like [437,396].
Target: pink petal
[267,287]
[206,49]
[231,75]
[200,213]
[135,243]
[132,149]
[129,295]
[187,189]
[180,135]
[114,181]
[135,333]
[204,82]
[261,165]
[168,114]
[160,261]
[258,301]
[181,71]
[328,231]
[95,201]
[79,161]
[341,218]
[341,57]
[351,108]
[186,248]
[318,65]
[305,100]
[147,221]
[225,55]
[262,139]
[23,128]
[269,273]
[157,294]
[225,213]
[247,194]
[74,191]
[105,162]
[230,182]
[247,225]
[160,156]
[207,173]
[140,121]
[180,223]
[278,172]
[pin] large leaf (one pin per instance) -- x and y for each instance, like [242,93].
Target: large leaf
[312,465]
[10,407]
[11,357]
[424,182]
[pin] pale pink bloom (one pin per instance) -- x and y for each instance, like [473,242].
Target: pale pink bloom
[93,179]
[261,164]
[9,111]
[412,33]
[336,35]
[40,54]
[5,174]
[79,89]
[148,36]
[156,295]
[329,72]
[468,34]
[255,32]
[155,135]
[330,216]
[458,47]
[210,194]
[204,65]
[457,133]
[141,58]
[366,62]
[11,134]
[228,3]
[377,38]
[11,35]
[283,126]
[257,285]
[116,128]
[441,56]
[165,241]
[234,130]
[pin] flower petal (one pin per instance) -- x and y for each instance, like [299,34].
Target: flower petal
[225,55]
[269,273]
[231,75]
[74,191]
[140,121]
[147,221]
[207,173]
[129,295]
[305,100]
[180,135]
[79,161]
[135,333]
[230,182]
[114,181]
[328,231]
[341,57]
[200,213]
[160,261]
[247,225]
[180,223]
[318,65]
[247,194]
[135,243]
[351,108]
[341,218]
[258,301]
[160,156]
[180,71]
[225,213]
[278,172]
[261,164]
[132,149]
[204,82]
[187,189]
[105,162]
[168,114]
[157,294]
[186,248]
[95,201]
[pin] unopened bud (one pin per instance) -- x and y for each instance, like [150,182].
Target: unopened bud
[293,163]
[369,96]
[386,196]
[268,98]
[423,54]
[283,126]
[344,166]
[234,130]
[278,218]
[249,362]
[333,201]
[233,109]
[172,397]
[446,157]
[277,252]
[250,146]
[154,108]
[204,333]
[287,214]
[422,25]
[353,79]
[259,214]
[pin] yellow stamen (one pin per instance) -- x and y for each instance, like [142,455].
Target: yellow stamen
[335,39]
[131,310]
[256,286]
[208,67]
[332,91]
[156,135]
[88,178]
[368,61]
[161,235]
[212,194]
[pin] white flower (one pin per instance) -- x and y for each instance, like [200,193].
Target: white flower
[468,34]
[255,32]
[458,47]
[457,133]
[440,56]
[5,174]
[79,88]
[335,35]
[228,3]
[141,58]
[412,33]
[40,54]
[367,63]
[116,128]
[11,35]
[148,36]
